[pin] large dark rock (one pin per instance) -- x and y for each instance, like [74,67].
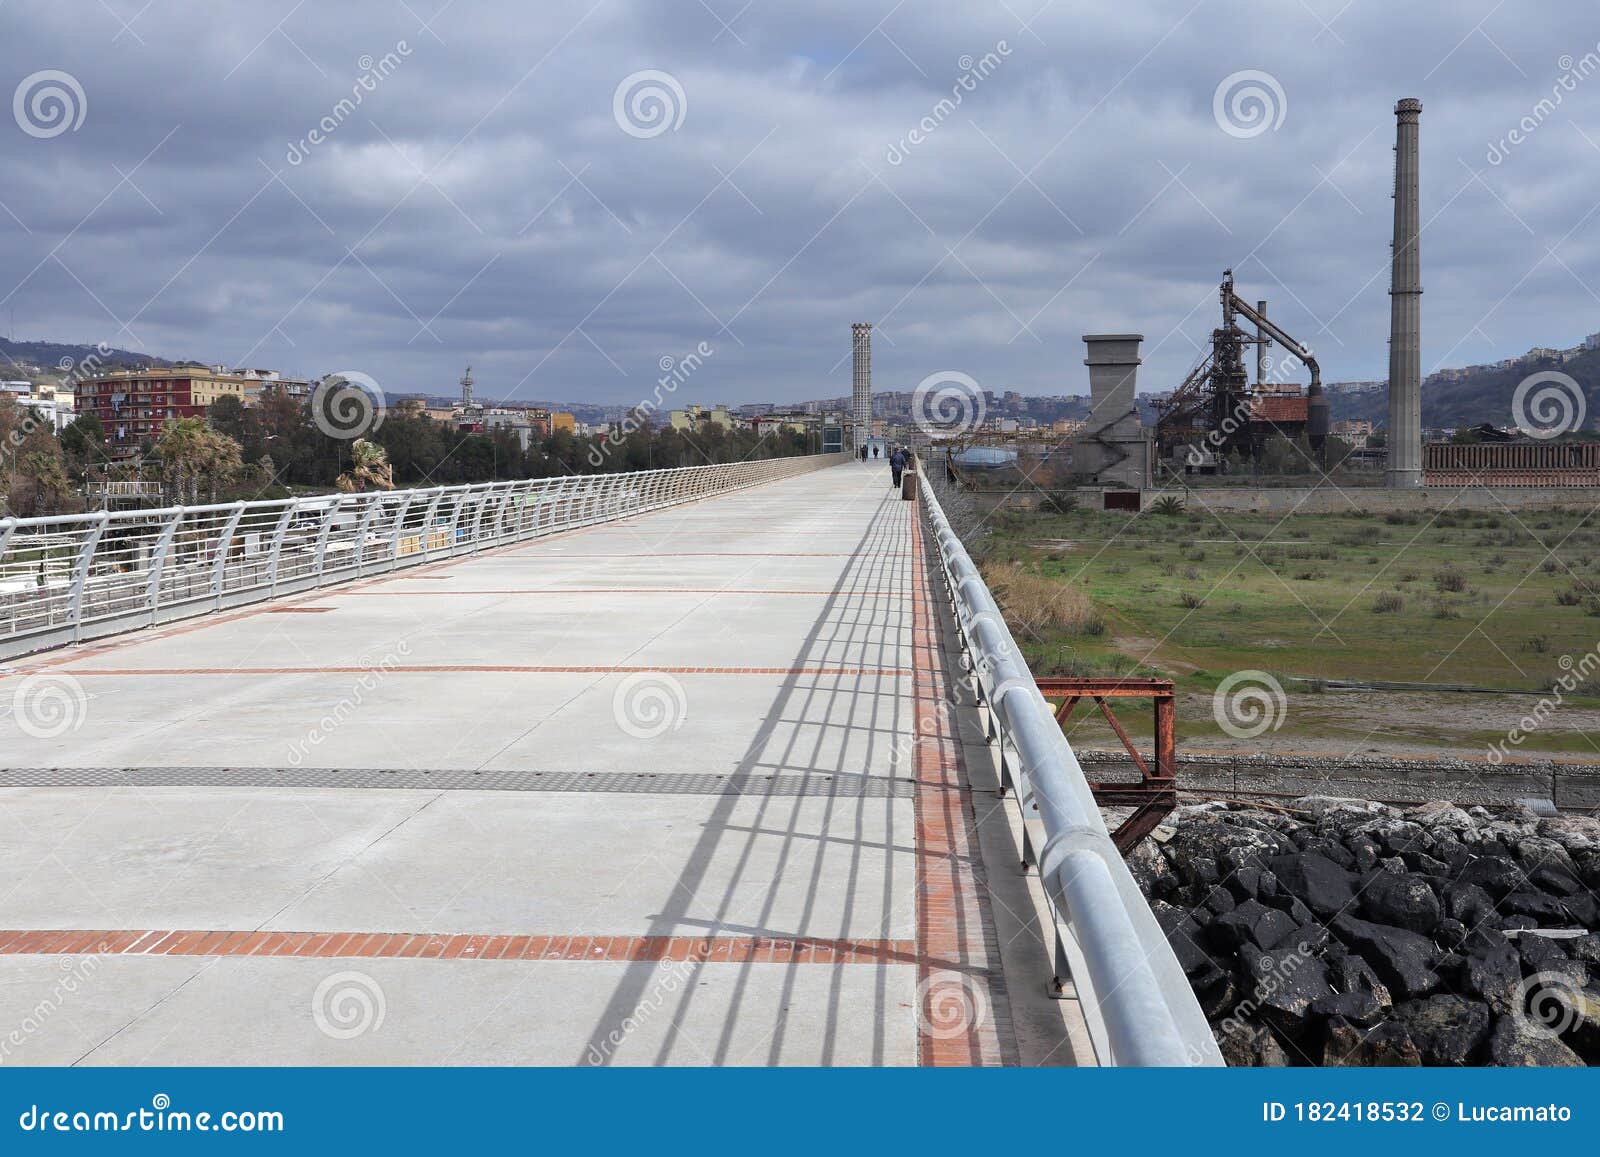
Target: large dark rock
[1449,1030]
[1151,871]
[1359,1008]
[1250,1046]
[1403,901]
[1467,903]
[1366,852]
[1404,959]
[1252,922]
[1497,875]
[1183,934]
[1349,973]
[1515,1042]
[1321,884]
[1288,978]
[1197,847]
[1329,848]
[1585,948]
[1549,911]
[1582,909]
[1556,878]
[1493,969]
[1387,1045]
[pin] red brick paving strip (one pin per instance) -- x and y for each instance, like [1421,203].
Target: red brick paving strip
[965,1017]
[452,946]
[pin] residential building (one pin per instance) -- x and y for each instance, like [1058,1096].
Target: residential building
[134,405]
[696,417]
[1355,431]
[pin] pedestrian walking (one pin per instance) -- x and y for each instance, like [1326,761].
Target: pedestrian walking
[897,466]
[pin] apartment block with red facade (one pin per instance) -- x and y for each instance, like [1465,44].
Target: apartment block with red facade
[135,405]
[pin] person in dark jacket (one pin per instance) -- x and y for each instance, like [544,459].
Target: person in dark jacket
[897,466]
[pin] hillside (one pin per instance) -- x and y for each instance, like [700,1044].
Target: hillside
[57,357]
[1481,394]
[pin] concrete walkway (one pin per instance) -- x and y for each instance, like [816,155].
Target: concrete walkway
[688,788]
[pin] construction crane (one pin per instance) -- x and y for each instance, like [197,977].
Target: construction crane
[1216,412]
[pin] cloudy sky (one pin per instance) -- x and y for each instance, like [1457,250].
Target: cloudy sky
[564,194]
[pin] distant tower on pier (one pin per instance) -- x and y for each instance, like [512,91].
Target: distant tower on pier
[861,380]
[466,389]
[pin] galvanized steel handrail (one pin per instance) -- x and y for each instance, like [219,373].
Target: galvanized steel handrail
[1135,996]
[69,578]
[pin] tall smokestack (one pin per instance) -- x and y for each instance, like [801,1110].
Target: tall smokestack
[861,381]
[1261,347]
[1405,309]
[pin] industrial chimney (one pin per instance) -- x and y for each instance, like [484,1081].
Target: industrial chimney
[1405,309]
[861,382]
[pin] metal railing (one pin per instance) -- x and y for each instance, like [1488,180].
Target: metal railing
[1135,997]
[76,577]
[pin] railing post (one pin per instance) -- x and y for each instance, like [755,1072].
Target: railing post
[80,574]
[458,500]
[323,532]
[158,563]
[224,543]
[399,529]
[427,523]
[279,532]
[362,529]
[477,521]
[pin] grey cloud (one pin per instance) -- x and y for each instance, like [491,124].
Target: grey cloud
[544,231]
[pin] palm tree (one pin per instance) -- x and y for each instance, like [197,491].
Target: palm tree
[192,453]
[369,469]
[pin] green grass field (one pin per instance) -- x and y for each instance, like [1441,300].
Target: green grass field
[1501,600]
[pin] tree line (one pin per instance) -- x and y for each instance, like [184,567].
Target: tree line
[273,449]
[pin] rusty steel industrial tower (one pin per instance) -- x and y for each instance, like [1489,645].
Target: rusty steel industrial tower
[861,382]
[1405,309]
